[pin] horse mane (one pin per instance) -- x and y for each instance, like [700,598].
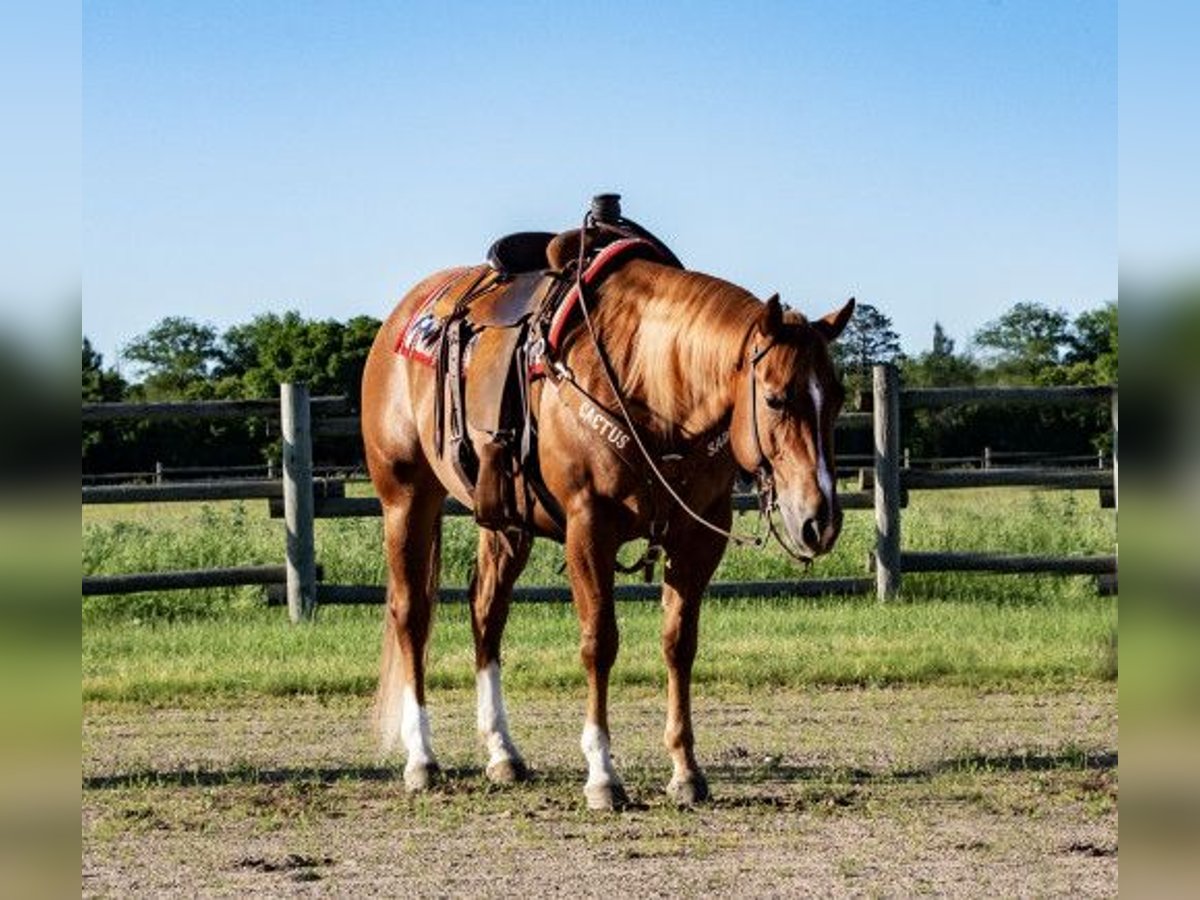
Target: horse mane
[675,337]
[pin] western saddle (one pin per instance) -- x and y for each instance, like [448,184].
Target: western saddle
[501,326]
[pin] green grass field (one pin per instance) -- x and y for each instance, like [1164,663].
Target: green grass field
[961,739]
[964,629]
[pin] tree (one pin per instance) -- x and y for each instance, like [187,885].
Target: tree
[1092,352]
[325,354]
[100,385]
[869,339]
[1026,340]
[941,366]
[178,358]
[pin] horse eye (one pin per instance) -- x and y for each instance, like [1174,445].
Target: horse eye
[776,401]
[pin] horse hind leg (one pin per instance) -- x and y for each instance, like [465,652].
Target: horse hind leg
[500,559]
[412,535]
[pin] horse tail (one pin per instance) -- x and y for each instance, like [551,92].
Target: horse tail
[389,695]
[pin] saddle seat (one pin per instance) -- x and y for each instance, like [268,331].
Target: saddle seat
[509,289]
[523,251]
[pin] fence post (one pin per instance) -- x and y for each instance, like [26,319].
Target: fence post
[158,472]
[987,457]
[296,427]
[887,481]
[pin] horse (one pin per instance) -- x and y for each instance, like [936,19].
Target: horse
[707,380]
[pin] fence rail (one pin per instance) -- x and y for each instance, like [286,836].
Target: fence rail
[207,409]
[188,492]
[940,398]
[301,497]
[182,579]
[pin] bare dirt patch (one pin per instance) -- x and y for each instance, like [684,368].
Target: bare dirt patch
[866,791]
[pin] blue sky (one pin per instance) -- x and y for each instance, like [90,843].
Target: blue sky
[940,160]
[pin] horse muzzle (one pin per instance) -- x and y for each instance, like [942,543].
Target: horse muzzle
[812,528]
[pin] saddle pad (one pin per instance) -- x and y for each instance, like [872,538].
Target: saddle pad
[418,339]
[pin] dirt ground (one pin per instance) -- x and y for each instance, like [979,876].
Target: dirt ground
[877,792]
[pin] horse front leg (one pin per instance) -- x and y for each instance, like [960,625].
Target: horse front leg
[591,550]
[500,559]
[692,559]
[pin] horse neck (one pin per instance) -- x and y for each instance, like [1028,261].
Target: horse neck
[677,341]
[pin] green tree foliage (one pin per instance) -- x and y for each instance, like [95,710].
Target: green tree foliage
[929,432]
[327,355]
[868,339]
[940,366]
[100,385]
[1026,340]
[1032,344]
[177,358]
[1092,354]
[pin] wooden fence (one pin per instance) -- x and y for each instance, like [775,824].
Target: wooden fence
[299,499]
[890,478]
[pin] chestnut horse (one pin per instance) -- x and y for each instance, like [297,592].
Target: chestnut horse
[699,362]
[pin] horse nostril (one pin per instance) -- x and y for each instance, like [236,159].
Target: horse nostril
[810,533]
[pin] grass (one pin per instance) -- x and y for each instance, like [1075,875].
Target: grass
[958,629]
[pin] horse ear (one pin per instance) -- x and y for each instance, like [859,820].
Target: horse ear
[832,325]
[770,320]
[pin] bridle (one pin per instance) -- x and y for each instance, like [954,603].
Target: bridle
[764,472]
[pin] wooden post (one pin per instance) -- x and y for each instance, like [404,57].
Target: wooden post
[296,428]
[987,457]
[907,458]
[158,472]
[887,481]
[271,470]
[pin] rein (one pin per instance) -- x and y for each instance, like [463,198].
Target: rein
[764,474]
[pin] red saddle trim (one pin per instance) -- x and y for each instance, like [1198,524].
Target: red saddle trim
[598,268]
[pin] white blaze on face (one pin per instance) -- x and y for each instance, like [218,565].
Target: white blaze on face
[824,476]
[414,731]
[492,719]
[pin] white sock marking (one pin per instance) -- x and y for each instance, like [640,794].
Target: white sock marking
[595,746]
[414,731]
[492,719]
[824,478]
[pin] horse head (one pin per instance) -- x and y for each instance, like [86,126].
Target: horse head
[783,419]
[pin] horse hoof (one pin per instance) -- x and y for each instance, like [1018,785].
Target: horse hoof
[688,791]
[508,771]
[421,777]
[606,796]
